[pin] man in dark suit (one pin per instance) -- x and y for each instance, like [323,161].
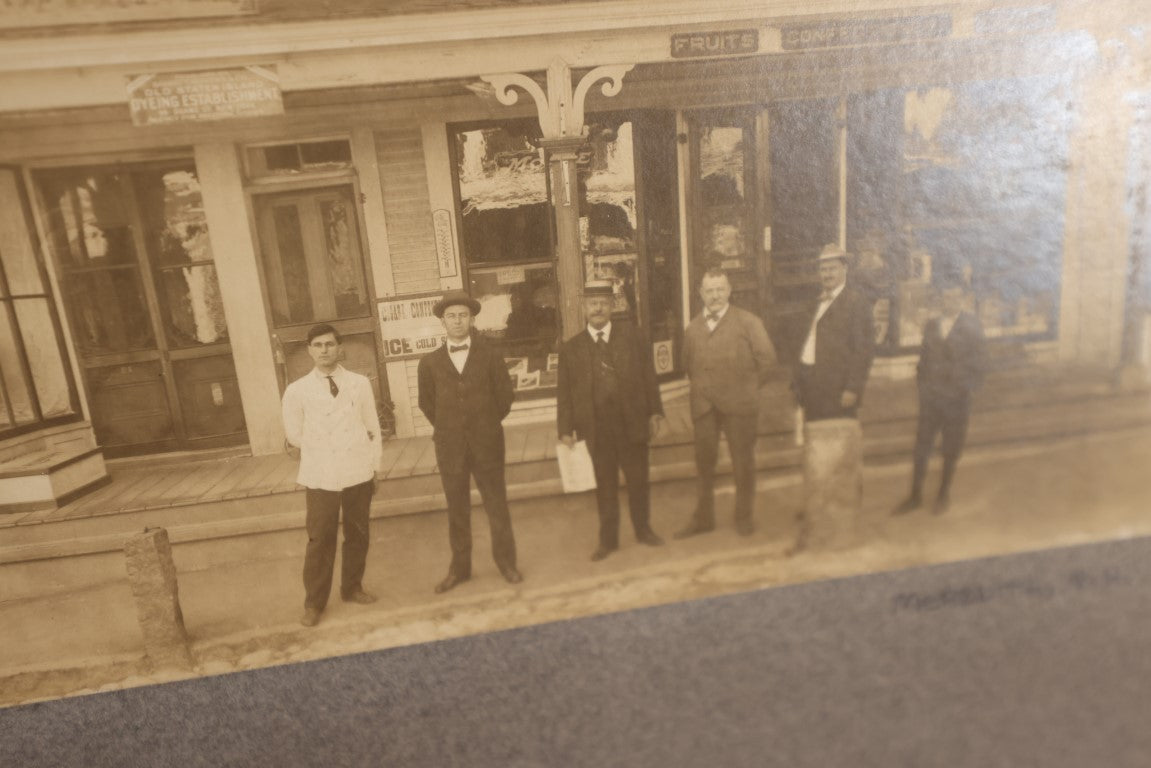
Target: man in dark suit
[835,357]
[465,391]
[608,396]
[951,365]
[727,355]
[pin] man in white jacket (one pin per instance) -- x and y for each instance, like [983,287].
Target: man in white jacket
[330,415]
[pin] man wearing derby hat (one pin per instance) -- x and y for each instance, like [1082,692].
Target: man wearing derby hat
[465,391]
[835,357]
[607,395]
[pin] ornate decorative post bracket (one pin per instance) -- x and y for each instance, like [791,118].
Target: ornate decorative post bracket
[561,116]
[560,110]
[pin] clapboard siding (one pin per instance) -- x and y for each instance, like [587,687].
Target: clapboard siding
[411,240]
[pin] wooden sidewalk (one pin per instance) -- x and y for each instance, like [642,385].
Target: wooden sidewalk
[198,482]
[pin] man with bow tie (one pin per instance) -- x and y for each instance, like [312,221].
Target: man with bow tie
[330,416]
[607,395]
[466,392]
[835,358]
[727,355]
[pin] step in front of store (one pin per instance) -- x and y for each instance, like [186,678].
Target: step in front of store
[67,555]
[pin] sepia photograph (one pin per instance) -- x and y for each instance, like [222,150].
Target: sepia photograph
[334,328]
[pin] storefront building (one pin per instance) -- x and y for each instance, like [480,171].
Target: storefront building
[183,198]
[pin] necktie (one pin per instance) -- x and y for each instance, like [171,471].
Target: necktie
[460,348]
[599,338]
[332,386]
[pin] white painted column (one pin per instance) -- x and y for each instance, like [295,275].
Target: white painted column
[683,159]
[233,245]
[1096,241]
[442,198]
[367,164]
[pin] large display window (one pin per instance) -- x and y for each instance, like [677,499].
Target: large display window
[507,234]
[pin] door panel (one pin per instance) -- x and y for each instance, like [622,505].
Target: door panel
[315,272]
[140,289]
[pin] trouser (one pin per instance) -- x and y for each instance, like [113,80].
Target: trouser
[322,521]
[819,399]
[611,452]
[946,415]
[740,430]
[493,491]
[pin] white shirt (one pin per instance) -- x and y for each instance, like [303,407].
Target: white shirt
[606,331]
[946,324]
[339,437]
[808,356]
[711,324]
[460,359]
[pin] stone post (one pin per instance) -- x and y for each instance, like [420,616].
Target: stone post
[152,575]
[833,483]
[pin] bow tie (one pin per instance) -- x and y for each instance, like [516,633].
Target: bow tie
[713,317]
[460,348]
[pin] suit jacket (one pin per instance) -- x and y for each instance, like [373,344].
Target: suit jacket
[844,346]
[727,366]
[639,397]
[466,409]
[951,368]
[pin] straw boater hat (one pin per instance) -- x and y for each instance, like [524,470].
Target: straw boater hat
[453,299]
[833,251]
[598,288]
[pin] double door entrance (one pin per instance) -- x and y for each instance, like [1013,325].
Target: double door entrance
[138,279]
[764,197]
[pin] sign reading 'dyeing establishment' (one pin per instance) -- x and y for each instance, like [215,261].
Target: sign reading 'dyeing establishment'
[834,34]
[409,327]
[42,13]
[730,42]
[192,97]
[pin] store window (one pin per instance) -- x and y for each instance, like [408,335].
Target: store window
[36,384]
[959,183]
[507,234]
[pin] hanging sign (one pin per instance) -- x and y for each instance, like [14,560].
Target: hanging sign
[192,97]
[445,243]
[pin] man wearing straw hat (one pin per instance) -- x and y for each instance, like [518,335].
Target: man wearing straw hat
[466,392]
[835,358]
[608,396]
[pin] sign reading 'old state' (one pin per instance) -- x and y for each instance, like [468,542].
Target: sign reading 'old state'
[688,45]
[219,94]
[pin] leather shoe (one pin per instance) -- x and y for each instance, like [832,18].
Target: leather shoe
[359,596]
[451,581]
[310,618]
[744,526]
[511,575]
[600,553]
[649,538]
[694,528]
[941,505]
[910,504]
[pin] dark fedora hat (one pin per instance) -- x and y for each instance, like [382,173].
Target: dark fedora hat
[454,298]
